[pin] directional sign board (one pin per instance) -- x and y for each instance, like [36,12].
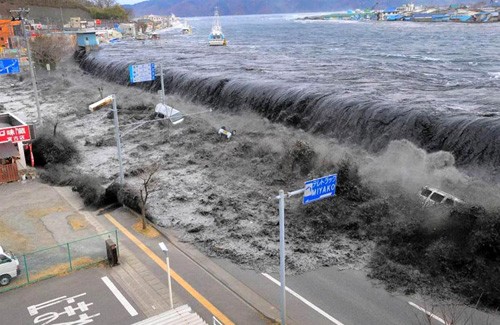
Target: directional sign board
[319,188]
[9,66]
[142,72]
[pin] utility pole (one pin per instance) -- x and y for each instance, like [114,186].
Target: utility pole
[21,12]
[62,19]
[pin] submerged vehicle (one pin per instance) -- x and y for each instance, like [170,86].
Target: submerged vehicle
[167,112]
[216,37]
[432,196]
[9,267]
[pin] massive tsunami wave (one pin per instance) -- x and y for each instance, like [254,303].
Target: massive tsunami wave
[368,83]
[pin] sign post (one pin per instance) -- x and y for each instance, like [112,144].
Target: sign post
[314,190]
[147,72]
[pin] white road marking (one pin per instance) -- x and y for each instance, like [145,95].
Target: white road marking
[304,300]
[439,319]
[131,310]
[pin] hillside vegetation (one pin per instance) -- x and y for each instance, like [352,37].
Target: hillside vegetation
[45,10]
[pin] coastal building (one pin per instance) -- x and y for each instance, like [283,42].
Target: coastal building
[75,22]
[87,39]
[127,29]
[7,32]
[108,35]
[13,134]
[154,18]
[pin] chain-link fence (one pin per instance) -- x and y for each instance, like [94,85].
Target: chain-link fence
[60,259]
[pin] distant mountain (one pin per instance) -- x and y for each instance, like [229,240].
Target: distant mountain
[190,8]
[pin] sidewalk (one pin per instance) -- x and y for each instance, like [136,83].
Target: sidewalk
[147,291]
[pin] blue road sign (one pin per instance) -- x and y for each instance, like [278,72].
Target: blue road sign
[319,188]
[142,72]
[9,66]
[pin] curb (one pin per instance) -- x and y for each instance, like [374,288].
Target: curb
[251,298]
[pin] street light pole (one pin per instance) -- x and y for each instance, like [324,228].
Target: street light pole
[165,250]
[118,141]
[96,106]
[21,12]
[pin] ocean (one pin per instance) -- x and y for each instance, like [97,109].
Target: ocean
[435,84]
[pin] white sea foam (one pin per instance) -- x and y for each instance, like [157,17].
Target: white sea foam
[495,75]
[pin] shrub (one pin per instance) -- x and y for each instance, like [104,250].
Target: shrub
[90,190]
[53,149]
[89,187]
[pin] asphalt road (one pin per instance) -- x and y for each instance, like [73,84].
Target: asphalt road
[80,295]
[349,298]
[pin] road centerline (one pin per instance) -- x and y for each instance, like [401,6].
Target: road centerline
[121,298]
[305,301]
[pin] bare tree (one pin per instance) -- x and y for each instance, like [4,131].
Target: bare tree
[148,186]
[50,49]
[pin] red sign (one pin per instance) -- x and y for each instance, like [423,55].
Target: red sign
[97,22]
[15,134]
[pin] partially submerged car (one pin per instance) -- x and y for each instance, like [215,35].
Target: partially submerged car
[432,196]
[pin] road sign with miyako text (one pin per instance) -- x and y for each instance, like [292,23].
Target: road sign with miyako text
[319,188]
[14,134]
[142,72]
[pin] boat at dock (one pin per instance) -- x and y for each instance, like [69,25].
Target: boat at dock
[216,37]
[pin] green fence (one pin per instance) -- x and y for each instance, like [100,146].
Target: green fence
[60,259]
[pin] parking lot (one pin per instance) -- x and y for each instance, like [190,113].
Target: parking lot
[48,234]
[83,297]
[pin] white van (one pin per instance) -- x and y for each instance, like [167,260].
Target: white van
[432,196]
[9,267]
